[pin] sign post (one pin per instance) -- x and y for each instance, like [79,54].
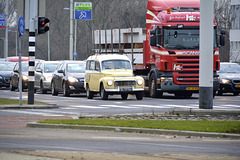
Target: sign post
[21,30]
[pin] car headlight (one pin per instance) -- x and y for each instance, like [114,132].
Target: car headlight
[25,78]
[110,82]
[1,77]
[225,81]
[72,79]
[48,79]
[139,82]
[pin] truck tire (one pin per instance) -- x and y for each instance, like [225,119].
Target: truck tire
[153,92]
[103,93]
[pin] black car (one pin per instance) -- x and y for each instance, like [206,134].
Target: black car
[5,72]
[229,74]
[14,79]
[69,78]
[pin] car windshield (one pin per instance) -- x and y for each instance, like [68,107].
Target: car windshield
[116,64]
[50,67]
[183,39]
[7,66]
[229,68]
[76,68]
[24,67]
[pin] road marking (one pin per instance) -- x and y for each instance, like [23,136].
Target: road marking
[94,107]
[117,106]
[149,106]
[34,113]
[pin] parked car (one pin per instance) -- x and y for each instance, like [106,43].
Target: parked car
[229,74]
[43,75]
[5,72]
[14,78]
[109,74]
[69,78]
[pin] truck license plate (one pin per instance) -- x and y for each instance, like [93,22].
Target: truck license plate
[237,85]
[192,88]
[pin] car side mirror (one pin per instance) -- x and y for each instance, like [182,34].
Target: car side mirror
[60,71]
[39,70]
[15,70]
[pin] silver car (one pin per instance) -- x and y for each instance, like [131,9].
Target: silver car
[43,75]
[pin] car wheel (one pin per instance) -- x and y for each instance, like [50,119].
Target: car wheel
[124,96]
[139,95]
[103,93]
[219,93]
[66,89]
[43,91]
[90,94]
[54,91]
[12,88]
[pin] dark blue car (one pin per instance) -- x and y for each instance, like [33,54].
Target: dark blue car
[5,72]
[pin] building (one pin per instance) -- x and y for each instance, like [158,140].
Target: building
[235,32]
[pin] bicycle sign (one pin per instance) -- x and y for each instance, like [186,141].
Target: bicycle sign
[83,10]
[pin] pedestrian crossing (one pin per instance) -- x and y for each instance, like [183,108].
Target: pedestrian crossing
[75,110]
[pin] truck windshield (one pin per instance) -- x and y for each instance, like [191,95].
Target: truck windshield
[183,39]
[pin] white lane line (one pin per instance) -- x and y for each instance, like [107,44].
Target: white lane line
[232,105]
[149,106]
[117,106]
[34,113]
[94,107]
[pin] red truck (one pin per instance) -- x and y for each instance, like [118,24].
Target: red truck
[171,49]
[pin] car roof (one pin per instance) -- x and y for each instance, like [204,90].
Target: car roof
[102,57]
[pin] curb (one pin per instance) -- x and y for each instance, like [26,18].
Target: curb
[27,106]
[134,130]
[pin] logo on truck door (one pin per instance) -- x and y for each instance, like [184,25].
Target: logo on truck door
[177,67]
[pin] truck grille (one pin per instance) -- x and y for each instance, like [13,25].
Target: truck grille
[124,83]
[190,72]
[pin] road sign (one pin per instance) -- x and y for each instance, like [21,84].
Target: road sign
[74,54]
[2,20]
[83,10]
[21,25]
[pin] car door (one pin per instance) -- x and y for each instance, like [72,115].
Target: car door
[59,76]
[14,76]
[38,74]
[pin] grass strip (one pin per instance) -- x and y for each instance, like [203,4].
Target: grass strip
[201,125]
[4,101]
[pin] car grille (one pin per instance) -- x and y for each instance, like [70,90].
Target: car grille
[124,83]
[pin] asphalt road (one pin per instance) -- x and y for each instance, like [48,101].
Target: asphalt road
[78,104]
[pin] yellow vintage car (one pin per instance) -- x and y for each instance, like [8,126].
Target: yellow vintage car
[110,74]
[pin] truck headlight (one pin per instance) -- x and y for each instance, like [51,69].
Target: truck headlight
[139,82]
[72,79]
[110,82]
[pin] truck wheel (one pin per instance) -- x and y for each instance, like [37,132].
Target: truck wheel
[66,89]
[153,87]
[139,95]
[54,91]
[89,93]
[124,96]
[103,93]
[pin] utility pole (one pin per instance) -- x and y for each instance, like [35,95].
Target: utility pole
[206,55]
[71,32]
[6,30]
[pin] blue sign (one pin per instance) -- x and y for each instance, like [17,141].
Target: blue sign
[74,54]
[21,25]
[2,20]
[83,10]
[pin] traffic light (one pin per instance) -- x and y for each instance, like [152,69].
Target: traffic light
[42,28]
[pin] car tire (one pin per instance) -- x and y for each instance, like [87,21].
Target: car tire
[124,96]
[139,95]
[90,94]
[12,88]
[219,93]
[43,91]
[103,93]
[54,91]
[66,89]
